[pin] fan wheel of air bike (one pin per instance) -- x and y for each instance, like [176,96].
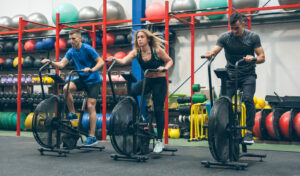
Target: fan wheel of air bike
[219,132]
[45,122]
[124,127]
[50,129]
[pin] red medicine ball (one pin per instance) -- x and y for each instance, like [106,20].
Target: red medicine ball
[29,45]
[119,55]
[62,43]
[110,39]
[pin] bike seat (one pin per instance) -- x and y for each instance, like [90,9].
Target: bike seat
[222,73]
[57,79]
[128,76]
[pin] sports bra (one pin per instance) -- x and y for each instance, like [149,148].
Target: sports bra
[153,63]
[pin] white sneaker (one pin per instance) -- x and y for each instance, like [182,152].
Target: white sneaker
[159,146]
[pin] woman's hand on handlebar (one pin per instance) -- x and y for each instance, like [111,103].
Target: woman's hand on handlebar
[249,58]
[162,69]
[110,59]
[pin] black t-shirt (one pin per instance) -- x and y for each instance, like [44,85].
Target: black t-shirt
[237,47]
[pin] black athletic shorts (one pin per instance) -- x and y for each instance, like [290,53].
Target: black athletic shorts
[91,89]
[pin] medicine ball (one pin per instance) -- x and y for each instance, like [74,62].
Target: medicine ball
[16,61]
[37,63]
[48,43]
[120,55]
[110,39]
[129,38]
[29,45]
[8,46]
[98,40]
[16,47]
[62,43]
[28,62]
[8,63]
[69,44]
[120,39]
[38,45]
[1,62]
[1,46]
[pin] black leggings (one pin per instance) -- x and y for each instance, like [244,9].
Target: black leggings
[158,88]
[247,85]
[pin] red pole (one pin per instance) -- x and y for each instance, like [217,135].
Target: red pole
[192,27]
[167,74]
[93,36]
[19,77]
[104,74]
[229,12]
[249,20]
[58,28]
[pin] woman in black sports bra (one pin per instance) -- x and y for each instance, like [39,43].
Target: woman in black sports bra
[150,55]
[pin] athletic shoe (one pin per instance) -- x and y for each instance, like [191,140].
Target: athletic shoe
[159,146]
[90,141]
[72,116]
[248,139]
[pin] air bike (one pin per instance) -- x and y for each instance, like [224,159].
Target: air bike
[130,133]
[50,128]
[226,123]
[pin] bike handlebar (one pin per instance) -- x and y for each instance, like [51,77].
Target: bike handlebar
[153,70]
[44,66]
[112,64]
[243,60]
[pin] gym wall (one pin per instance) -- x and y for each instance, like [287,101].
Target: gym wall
[279,73]
[280,41]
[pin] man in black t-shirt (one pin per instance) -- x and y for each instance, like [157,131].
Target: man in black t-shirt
[240,43]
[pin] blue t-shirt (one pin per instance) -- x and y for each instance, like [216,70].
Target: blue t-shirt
[82,58]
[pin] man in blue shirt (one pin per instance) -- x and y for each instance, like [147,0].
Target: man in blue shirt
[87,59]
[240,43]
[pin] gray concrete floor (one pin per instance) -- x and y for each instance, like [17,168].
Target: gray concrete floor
[19,156]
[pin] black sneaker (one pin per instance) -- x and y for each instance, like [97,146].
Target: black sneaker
[248,139]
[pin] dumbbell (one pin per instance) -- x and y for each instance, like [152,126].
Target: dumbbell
[28,79]
[15,79]
[3,79]
[23,78]
[29,101]
[25,95]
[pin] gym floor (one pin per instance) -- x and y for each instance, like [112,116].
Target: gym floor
[19,156]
